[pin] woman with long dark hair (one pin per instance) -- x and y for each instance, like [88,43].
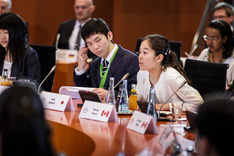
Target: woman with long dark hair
[15,54]
[220,46]
[159,68]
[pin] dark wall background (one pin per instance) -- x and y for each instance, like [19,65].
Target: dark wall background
[128,19]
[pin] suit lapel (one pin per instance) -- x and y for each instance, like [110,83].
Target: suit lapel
[114,66]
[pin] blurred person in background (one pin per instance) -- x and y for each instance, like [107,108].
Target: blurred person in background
[23,128]
[224,11]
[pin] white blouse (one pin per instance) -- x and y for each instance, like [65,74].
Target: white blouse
[168,83]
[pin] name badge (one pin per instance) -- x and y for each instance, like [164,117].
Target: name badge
[141,123]
[57,102]
[98,111]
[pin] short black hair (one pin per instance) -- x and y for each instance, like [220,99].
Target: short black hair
[94,26]
[215,121]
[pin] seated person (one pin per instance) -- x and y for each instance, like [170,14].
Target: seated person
[224,11]
[15,54]
[220,43]
[215,127]
[24,131]
[68,36]
[99,40]
[159,68]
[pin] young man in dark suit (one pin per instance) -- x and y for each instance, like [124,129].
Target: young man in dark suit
[99,40]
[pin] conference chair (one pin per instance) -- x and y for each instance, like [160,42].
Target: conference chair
[46,56]
[175,47]
[206,77]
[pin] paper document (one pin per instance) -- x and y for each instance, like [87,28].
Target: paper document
[73,91]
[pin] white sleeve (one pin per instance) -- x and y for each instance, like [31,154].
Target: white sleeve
[79,72]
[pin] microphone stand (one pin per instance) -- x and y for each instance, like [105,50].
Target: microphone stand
[182,84]
[52,69]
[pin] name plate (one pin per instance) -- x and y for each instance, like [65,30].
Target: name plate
[57,101]
[141,123]
[66,55]
[98,111]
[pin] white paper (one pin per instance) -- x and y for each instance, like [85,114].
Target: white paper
[73,91]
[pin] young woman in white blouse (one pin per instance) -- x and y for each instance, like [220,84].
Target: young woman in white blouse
[159,68]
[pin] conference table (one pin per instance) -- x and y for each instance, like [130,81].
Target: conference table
[72,135]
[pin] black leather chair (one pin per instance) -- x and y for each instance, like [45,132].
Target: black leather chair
[46,55]
[175,46]
[206,77]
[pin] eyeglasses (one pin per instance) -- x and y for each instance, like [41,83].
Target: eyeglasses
[219,17]
[212,39]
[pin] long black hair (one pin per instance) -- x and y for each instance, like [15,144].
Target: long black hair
[161,46]
[17,31]
[225,30]
[23,128]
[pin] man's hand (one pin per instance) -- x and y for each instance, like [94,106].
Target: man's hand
[101,92]
[82,58]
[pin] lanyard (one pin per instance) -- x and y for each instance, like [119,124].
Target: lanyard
[103,79]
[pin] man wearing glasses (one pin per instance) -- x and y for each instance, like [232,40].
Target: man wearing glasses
[224,11]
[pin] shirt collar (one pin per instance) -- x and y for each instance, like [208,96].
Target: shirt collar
[111,54]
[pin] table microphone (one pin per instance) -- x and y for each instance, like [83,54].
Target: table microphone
[52,69]
[181,85]
[123,78]
[57,40]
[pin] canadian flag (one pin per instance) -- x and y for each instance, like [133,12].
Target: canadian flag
[104,113]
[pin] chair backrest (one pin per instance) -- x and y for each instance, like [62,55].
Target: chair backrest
[46,57]
[206,77]
[175,46]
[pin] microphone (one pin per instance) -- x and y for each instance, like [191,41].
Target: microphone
[57,40]
[123,78]
[180,86]
[52,69]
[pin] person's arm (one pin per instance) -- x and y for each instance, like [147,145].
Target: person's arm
[80,72]
[32,67]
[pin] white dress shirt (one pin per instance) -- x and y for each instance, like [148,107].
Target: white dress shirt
[73,37]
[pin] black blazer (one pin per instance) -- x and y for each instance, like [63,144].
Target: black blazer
[124,62]
[30,68]
[65,31]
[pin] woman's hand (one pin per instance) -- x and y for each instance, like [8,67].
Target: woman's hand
[166,107]
[101,92]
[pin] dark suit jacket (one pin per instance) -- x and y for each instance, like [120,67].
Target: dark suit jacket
[30,68]
[65,31]
[124,62]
